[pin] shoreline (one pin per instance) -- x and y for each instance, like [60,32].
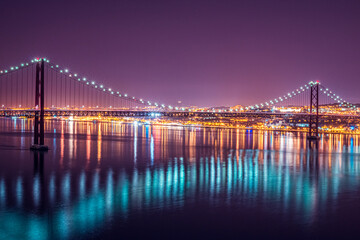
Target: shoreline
[131,120]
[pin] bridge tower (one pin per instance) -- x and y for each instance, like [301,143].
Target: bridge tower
[39,104]
[314,114]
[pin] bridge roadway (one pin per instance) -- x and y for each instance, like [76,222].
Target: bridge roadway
[171,114]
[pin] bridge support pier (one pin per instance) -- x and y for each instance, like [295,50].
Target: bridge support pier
[313,136]
[39,103]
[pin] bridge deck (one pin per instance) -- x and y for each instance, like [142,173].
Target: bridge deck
[181,114]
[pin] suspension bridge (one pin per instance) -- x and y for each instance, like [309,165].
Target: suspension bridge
[40,88]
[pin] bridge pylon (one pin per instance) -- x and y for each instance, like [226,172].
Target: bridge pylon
[313,135]
[39,108]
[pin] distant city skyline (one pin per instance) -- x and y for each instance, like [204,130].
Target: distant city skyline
[204,53]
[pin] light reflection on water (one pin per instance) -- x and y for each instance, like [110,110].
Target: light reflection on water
[100,174]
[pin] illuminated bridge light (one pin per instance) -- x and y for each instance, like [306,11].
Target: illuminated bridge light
[289,95]
[70,75]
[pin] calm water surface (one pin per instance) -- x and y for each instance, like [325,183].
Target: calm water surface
[133,181]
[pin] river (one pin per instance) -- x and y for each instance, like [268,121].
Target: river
[113,180]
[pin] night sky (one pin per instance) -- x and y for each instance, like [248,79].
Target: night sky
[205,53]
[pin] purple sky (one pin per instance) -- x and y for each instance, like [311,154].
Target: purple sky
[204,53]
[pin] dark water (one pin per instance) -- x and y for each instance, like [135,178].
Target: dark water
[132,181]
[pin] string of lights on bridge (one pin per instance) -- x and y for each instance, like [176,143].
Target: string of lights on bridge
[280,99]
[298,91]
[335,97]
[5,71]
[109,90]
[105,89]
